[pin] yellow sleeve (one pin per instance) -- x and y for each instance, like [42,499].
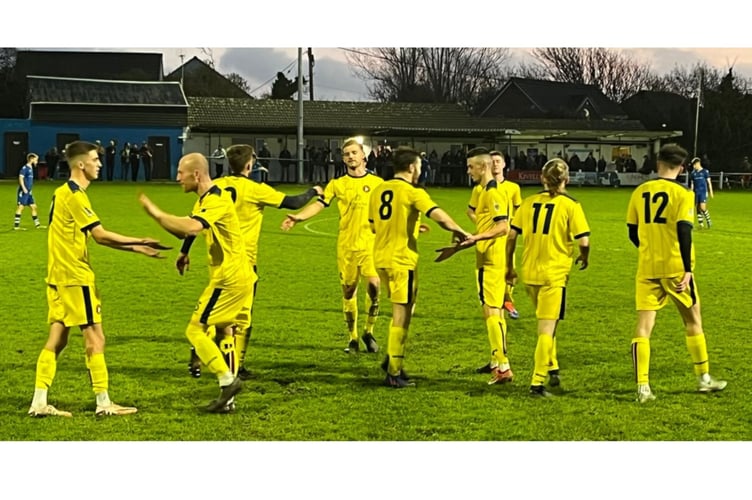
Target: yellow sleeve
[81,210]
[422,201]
[213,207]
[499,205]
[267,195]
[579,225]
[474,195]
[686,209]
[330,192]
[632,212]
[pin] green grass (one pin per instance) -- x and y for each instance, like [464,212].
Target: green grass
[307,389]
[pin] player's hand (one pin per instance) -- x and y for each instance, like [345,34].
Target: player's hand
[583,261]
[289,222]
[468,241]
[459,236]
[183,263]
[152,243]
[148,251]
[684,283]
[148,205]
[319,190]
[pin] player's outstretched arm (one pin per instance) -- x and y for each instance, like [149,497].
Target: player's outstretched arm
[180,227]
[305,214]
[447,223]
[146,246]
[299,201]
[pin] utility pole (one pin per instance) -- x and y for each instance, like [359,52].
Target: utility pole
[697,111]
[300,114]
[182,69]
[311,64]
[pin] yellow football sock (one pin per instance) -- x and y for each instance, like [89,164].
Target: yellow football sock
[373,313]
[229,352]
[699,351]
[396,349]
[641,359]
[496,329]
[508,292]
[554,359]
[98,372]
[542,359]
[241,345]
[350,308]
[206,349]
[46,367]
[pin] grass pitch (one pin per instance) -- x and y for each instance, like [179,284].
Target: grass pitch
[307,389]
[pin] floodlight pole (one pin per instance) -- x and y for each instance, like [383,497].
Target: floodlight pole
[300,115]
[697,111]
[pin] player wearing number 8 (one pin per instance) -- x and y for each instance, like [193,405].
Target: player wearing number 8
[549,221]
[394,215]
[660,218]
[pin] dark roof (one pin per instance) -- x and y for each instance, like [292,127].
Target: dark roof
[218,114]
[75,91]
[657,108]
[97,65]
[556,99]
[201,80]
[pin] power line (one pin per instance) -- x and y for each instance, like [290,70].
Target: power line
[272,78]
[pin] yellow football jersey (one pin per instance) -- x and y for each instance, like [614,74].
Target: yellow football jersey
[250,198]
[656,207]
[228,261]
[70,225]
[508,188]
[492,206]
[353,195]
[395,211]
[549,225]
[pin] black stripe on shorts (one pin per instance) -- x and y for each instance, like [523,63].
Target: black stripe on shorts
[210,305]
[410,284]
[563,302]
[87,305]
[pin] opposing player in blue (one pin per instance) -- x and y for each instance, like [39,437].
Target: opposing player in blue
[699,180]
[25,198]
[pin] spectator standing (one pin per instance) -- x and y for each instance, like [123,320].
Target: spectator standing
[286,165]
[125,163]
[218,156]
[109,154]
[134,158]
[146,159]
[52,157]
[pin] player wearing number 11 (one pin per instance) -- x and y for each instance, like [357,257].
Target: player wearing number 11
[549,221]
[660,218]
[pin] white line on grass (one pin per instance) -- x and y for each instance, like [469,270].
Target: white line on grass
[308,225]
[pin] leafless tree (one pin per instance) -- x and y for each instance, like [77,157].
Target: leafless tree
[208,56]
[239,81]
[441,74]
[616,73]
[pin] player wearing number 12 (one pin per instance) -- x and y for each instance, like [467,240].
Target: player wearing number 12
[394,215]
[549,222]
[660,218]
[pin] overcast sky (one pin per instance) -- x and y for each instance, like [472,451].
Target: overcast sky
[335,24]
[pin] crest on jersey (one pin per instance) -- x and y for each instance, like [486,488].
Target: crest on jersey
[366,188]
[496,207]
